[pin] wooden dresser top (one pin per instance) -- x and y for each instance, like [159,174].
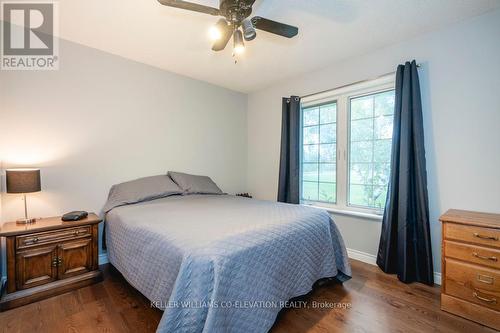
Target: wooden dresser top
[45,224]
[487,220]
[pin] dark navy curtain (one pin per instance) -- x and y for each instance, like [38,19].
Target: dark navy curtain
[405,244]
[289,177]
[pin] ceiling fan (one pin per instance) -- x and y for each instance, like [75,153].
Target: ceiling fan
[236,22]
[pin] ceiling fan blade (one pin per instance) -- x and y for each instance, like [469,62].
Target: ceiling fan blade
[190,6]
[247,3]
[226,35]
[274,27]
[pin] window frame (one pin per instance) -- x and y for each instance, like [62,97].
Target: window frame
[342,97]
[301,144]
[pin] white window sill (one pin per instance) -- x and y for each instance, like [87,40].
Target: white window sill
[367,216]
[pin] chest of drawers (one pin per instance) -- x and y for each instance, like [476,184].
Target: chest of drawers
[471,266]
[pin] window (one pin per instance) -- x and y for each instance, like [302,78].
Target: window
[319,133]
[370,140]
[346,146]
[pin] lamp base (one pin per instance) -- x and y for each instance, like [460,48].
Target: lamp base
[26,221]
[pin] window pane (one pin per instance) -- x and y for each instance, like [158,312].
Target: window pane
[327,153]
[370,141]
[328,113]
[327,192]
[310,116]
[361,151]
[381,173]
[382,150]
[310,191]
[310,172]
[384,103]
[311,135]
[327,172]
[310,153]
[360,195]
[362,107]
[361,173]
[318,168]
[362,130]
[328,133]
[379,196]
[383,127]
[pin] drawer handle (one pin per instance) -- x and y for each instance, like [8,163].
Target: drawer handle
[485,237]
[475,254]
[484,299]
[76,232]
[35,240]
[485,279]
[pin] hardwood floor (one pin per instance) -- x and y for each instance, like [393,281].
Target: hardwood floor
[378,303]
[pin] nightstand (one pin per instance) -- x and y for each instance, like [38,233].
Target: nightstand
[48,258]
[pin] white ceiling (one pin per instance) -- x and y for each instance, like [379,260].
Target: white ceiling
[329,31]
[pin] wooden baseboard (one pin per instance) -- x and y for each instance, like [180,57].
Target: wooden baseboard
[470,311]
[26,296]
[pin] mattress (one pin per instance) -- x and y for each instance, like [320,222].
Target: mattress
[221,263]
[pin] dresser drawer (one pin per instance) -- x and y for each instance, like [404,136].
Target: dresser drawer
[472,234]
[473,253]
[473,283]
[47,237]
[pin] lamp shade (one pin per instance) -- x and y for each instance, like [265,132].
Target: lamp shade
[23,180]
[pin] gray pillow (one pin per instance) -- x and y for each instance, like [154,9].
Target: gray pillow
[142,189]
[192,184]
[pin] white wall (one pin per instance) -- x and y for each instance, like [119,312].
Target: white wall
[102,119]
[460,83]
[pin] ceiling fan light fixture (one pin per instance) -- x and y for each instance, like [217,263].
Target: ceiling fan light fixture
[216,30]
[239,45]
[234,14]
[248,30]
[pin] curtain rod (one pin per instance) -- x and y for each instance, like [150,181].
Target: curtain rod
[351,84]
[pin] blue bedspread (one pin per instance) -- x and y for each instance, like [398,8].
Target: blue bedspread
[223,263]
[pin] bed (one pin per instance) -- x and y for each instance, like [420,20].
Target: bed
[221,263]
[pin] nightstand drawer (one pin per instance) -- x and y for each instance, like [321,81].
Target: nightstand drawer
[473,253]
[476,284]
[472,234]
[40,238]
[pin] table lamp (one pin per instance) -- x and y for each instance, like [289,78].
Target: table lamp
[23,181]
